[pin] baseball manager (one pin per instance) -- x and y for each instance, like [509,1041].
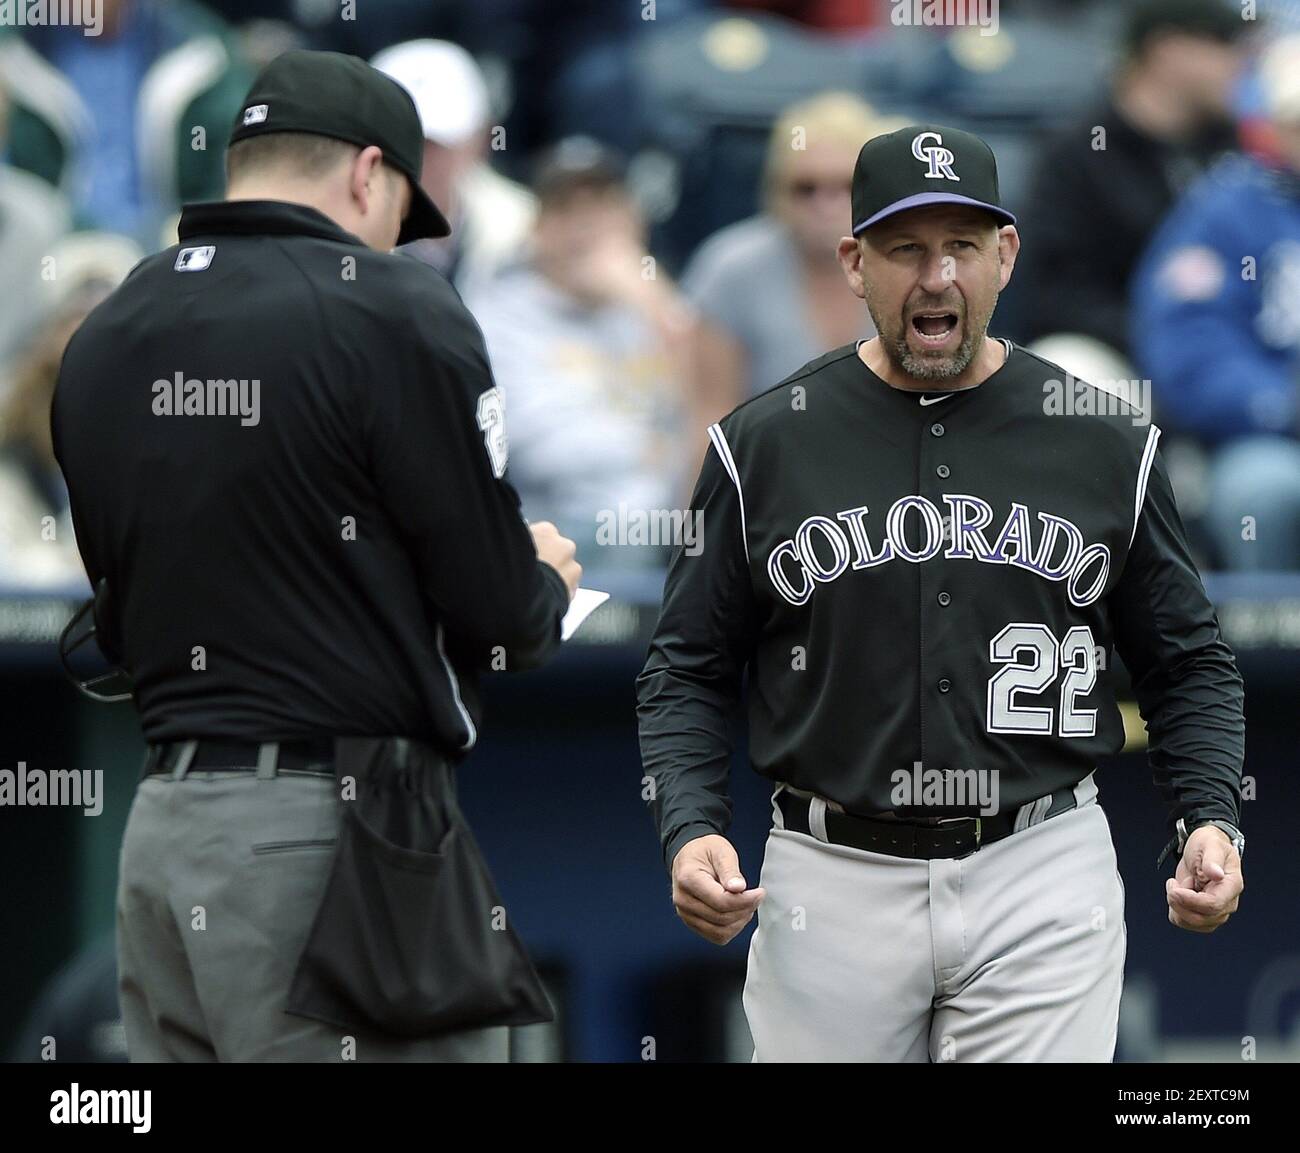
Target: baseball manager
[286,461]
[924,557]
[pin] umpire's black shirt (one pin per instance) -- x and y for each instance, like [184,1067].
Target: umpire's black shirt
[284,451]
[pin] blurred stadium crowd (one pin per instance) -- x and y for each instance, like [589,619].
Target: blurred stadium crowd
[646,198]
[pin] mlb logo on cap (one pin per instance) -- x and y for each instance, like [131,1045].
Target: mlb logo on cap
[255,114]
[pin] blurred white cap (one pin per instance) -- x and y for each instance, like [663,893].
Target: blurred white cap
[1084,357]
[87,266]
[446,84]
[1279,78]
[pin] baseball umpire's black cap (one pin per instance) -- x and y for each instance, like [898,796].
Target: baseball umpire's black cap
[924,164]
[343,97]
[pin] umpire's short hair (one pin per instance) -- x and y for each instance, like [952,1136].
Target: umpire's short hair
[575,165]
[302,153]
[1147,20]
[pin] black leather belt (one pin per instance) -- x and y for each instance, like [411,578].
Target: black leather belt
[958,837]
[315,756]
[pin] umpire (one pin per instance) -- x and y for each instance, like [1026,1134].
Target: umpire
[286,460]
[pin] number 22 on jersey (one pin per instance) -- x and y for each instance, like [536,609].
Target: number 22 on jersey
[1032,660]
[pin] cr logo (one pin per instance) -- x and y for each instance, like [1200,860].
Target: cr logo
[938,158]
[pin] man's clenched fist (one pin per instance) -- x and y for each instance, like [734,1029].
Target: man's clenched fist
[1207,885]
[709,891]
[557,551]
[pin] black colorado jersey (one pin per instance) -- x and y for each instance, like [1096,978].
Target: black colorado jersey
[934,581]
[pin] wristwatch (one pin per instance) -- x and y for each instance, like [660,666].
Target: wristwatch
[1235,835]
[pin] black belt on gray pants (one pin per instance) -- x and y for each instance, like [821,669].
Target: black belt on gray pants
[957,837]
[176,758]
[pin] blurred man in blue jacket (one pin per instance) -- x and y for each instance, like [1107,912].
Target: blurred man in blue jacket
[1216,325]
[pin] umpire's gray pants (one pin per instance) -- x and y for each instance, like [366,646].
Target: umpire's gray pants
[1014,953]
[220,877]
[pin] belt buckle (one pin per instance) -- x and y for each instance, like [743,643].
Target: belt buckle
[979,832]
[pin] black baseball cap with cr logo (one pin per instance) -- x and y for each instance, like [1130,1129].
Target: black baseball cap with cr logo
[344,98]
[924,164]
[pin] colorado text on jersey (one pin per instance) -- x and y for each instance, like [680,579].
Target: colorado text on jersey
[797,565]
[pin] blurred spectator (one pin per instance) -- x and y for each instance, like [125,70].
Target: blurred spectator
[37,546]
[1216,326]
[261,41]
[581,77]
[586,341]
[1092,209]
[378,23]
[769,291]
[490,217]
[32,216]
[1255,127]
[112,118]
[838,16]
[303,13]
[934,17]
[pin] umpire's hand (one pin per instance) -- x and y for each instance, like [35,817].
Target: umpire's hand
[557,551]
[708,890]
[1207,884]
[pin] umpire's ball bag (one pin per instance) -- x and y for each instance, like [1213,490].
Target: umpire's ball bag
[409,938]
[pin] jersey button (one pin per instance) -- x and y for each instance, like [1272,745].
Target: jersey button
[943,470]
[945,599]
[944,685]
[936,429]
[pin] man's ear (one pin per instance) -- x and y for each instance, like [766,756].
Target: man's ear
[366,175]
[850,257]
[1008,249]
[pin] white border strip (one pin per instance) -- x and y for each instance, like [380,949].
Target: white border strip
[455,693]
[1144,474]
[719,439]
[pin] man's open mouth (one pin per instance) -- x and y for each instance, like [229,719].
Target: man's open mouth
[934,327]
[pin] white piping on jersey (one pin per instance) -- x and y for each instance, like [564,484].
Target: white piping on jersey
[719,439]
[455,693]
[1144,474]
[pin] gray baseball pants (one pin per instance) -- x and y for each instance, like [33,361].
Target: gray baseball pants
[1013,953]
[220,877]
